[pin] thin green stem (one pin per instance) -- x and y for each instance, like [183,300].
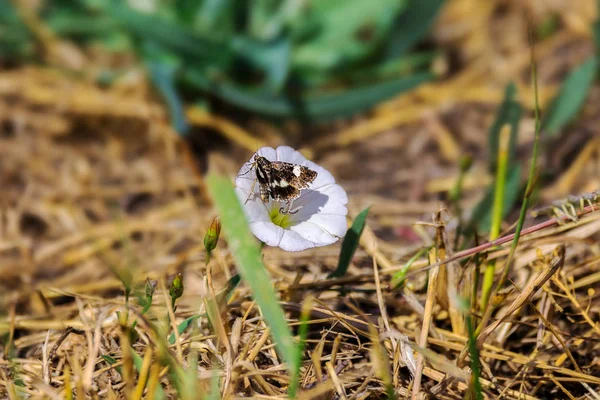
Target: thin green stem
[529,189]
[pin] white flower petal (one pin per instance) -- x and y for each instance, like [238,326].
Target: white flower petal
[292,241]
[287,154]
[314,233]
[334,224]
[276,236]
[268,152]
[267,232]
[324,177]
[330,199]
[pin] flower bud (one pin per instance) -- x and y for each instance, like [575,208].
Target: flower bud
[176,289]
[211,237]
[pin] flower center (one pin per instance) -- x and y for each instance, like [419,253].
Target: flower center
[279,219]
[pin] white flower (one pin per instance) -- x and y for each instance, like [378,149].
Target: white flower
[318,216]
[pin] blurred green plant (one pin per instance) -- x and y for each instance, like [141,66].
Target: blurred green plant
[307,59]
[574,90]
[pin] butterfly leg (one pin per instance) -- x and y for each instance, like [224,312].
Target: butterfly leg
[288,208]
[251,190]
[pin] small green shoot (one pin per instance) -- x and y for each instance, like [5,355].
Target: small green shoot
[399,278]
[350,244]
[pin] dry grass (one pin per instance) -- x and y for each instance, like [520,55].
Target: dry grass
[97,191]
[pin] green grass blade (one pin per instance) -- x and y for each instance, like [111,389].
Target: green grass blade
[497,211]
[571,97]
[246,252]
[509,113]
[350,244]
[482,214]
[215,391]
[411,26]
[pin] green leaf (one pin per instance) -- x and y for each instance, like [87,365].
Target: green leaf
[171,36]
[350,244]
[344,31]
[571,96]
[246,253]
[183,326]
[411,26]
[273,59]
[317,107]
[508,113]
[216,17]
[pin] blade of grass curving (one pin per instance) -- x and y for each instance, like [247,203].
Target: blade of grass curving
[399,278]
[246,252]
[571,97]
[183,325]
[317,107]
[350,244]
[163,73]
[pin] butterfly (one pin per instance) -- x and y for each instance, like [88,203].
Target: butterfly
[280,181]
